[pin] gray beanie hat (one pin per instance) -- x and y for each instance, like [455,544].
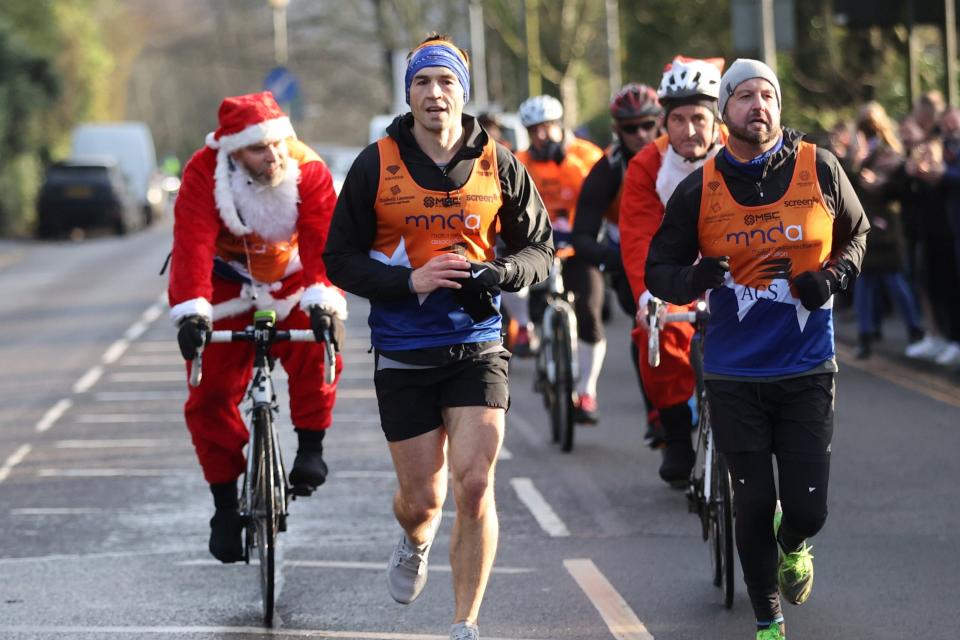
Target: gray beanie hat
[741,70]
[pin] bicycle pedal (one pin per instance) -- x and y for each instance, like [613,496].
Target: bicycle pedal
[303,490]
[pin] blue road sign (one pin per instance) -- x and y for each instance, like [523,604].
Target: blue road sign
[283,84]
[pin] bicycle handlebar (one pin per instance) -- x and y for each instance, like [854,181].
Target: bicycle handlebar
[656,320]
[250,334]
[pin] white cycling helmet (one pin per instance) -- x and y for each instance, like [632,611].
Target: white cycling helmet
[689,77]
[538,109]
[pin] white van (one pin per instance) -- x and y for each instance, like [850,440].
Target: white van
[131,145]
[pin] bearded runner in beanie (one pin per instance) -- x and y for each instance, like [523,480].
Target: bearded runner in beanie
[778,230]
[250,224]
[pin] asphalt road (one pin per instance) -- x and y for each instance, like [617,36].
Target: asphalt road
[104,513]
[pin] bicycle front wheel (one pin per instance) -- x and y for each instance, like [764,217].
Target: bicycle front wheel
[563,386]
[265,509]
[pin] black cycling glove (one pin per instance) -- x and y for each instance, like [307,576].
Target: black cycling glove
[709,273]
[477,291]
[814,288]
[322,320]
[192,334]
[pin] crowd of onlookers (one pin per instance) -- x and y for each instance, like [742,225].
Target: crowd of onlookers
[907,177]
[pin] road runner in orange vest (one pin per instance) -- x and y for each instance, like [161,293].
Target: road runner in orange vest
[250,222]
[778,230]
[414,232]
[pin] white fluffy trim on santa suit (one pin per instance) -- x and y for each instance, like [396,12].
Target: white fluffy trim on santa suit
[195,307]
[674,168]
[327,298]
[268,130]
[252,296]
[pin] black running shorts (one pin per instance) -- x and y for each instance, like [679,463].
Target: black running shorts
[411,400]
[791,416]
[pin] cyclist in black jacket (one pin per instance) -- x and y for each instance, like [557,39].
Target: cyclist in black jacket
[779,230]
[596,238]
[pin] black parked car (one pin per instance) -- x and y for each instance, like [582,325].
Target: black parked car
[86,193]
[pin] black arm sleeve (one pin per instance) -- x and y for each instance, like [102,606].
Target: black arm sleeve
[675,246]
[598,191]
[524,225]
[850,223]
[352,232]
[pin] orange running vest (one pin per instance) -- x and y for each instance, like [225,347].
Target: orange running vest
[758,326]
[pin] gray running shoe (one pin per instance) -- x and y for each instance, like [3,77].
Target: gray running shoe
[407,568]
[465,631]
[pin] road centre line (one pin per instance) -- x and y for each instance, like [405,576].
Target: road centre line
[88,379]
[258,632]
[114,351]
[53,414]
[616,613]
[343,564]
[13,460]
[544,514]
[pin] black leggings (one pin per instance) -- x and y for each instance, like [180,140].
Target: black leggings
[755,496]
[588,287]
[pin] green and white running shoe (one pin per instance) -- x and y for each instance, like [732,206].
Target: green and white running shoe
[773,632]
[795,569]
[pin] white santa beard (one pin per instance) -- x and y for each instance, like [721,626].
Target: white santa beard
[270,212]
[675,168]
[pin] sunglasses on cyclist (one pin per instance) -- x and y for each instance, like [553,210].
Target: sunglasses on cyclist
[632,128]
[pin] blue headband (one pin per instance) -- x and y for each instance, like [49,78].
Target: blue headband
[438,55]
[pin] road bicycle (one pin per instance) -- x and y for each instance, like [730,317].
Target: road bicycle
[265,494]
[556,362]
[709,490]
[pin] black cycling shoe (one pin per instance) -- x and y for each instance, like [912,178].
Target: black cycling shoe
[226,535]
[309,472]
[654,435]
[678,455]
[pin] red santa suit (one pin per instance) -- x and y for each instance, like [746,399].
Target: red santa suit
[651,177]
[240,246]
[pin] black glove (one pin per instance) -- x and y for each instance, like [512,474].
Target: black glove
[709,273]
[193,333]
[322,320]
[477,291]
[814,288]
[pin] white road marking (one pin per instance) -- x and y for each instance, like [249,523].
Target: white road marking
[258,632]
[139,396]
[544,514]
[136,418]
[130,443]
[53,414]
[366,393]
[15,458]
[616,613]
[344,564]
[88,379]
[505,454]
[114,351]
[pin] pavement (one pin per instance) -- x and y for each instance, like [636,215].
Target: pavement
[890,349]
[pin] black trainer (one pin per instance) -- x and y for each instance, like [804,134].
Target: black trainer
[678,455]
[309,470]
[226,535]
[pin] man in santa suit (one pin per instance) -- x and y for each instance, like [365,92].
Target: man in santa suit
[688,93]
[250,224]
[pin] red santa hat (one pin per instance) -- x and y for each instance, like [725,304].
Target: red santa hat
[244,120]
